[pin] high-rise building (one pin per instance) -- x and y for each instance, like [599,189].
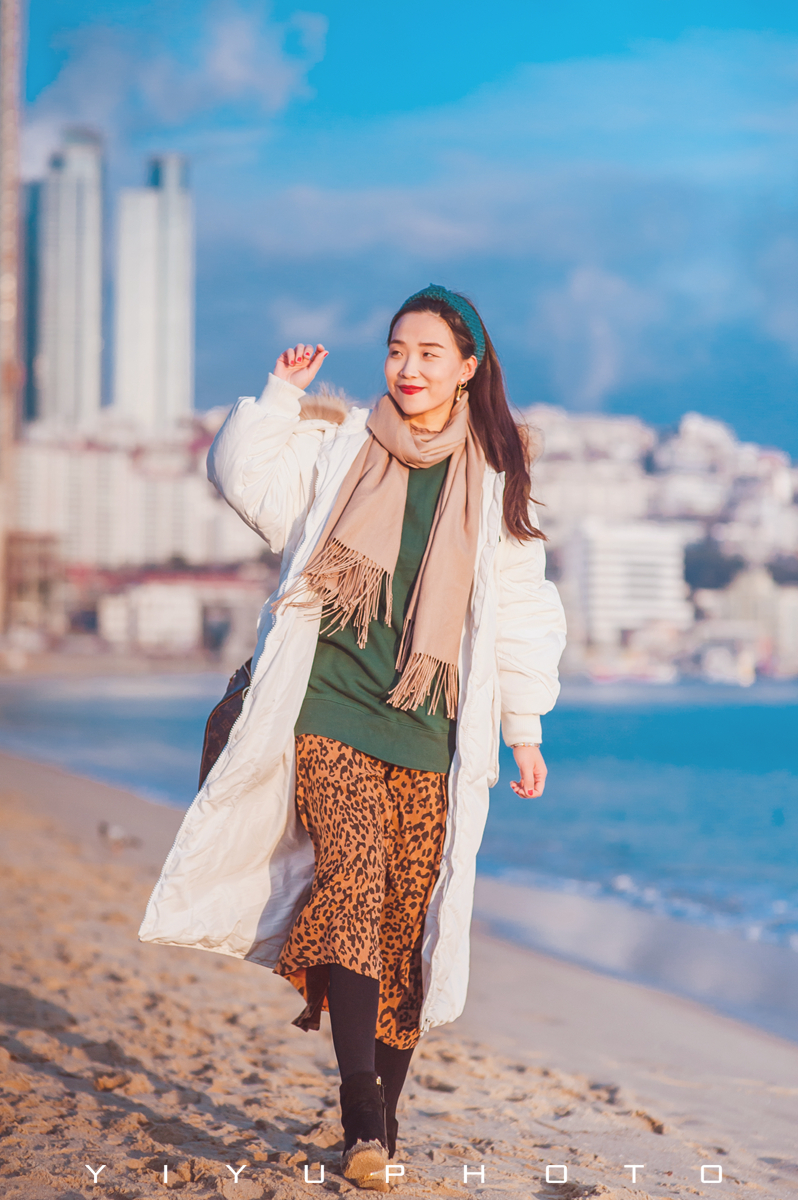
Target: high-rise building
[154,339]
[9,286]
[67,359]
[31,200]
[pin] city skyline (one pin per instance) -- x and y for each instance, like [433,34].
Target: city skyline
[146,298]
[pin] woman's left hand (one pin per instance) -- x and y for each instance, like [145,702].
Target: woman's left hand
[533,772]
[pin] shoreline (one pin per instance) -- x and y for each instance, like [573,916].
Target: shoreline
[576,687]
[106,1051]
[755,982]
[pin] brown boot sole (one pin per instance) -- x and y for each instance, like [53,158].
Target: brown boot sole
[365,1163]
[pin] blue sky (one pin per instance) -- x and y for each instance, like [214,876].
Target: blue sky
[616,185]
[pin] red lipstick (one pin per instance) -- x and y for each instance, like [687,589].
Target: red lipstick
[409,391]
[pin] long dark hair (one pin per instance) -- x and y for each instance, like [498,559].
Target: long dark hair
[504,444]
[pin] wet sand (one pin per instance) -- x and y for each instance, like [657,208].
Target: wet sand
[138,1057]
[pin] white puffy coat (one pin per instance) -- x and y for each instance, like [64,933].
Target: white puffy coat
[242,864]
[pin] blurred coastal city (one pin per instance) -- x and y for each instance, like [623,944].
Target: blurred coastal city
[675,549]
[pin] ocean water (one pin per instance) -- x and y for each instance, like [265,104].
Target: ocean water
[681,800]
[141,732]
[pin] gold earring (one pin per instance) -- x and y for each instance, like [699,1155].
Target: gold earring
[460,387]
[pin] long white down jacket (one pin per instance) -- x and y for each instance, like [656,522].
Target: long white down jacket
[242,864]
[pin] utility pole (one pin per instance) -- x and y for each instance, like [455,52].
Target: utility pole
[10,373]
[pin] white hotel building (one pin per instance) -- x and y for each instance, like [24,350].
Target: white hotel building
[67,359]
[628,576]
[154,325]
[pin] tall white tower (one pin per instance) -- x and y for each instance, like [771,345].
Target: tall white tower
[9,290]
[68,359]
[154,337]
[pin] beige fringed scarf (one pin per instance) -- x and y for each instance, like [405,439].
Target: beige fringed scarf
[357,552]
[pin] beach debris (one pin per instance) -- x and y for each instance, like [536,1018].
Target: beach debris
[116,837]
[108,1083]
[243,1189]
[433,1084]
[655,1125]
[138,1084]
[325,1135]
[12,1080]
[109,1053]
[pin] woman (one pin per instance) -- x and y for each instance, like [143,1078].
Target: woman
[335,838]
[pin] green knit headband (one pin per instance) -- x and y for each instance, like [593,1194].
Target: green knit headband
[461,306]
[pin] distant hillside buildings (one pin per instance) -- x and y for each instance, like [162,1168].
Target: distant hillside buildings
[676,553]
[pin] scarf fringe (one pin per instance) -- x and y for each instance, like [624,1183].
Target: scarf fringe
[424,675]
[349,586]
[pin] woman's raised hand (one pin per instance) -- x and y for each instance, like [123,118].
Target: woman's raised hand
[300,364]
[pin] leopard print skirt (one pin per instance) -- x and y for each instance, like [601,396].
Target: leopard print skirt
[377,832]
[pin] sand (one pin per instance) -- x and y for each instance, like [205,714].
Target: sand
[137,1057]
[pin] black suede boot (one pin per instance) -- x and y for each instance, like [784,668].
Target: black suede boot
[365,1153]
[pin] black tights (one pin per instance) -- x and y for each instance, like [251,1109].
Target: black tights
[354,1002]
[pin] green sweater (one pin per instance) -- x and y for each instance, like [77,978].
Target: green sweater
[346,696]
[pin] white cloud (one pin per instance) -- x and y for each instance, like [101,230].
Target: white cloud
[710,104]
[242,62]
[132,87]
[590,159]
[591,330]
[294,322]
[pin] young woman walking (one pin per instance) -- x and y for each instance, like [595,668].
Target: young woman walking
[335,838]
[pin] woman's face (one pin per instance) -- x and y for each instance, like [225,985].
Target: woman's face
[424,367]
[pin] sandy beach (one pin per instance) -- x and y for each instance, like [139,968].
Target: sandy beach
[179,1070]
